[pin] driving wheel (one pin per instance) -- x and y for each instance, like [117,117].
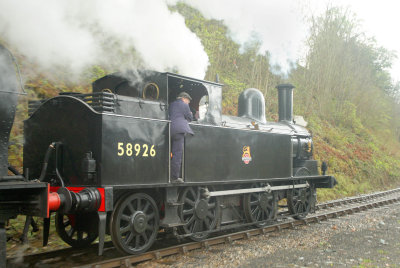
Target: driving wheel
[260,208]
[77,230]
[199,214]
[134,223]
[300,201]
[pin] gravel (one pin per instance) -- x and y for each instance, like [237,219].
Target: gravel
[367,239]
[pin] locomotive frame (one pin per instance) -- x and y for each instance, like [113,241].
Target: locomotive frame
[104,160]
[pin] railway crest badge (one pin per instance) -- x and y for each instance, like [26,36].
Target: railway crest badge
[246,157]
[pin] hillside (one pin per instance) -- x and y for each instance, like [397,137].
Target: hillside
[343,90]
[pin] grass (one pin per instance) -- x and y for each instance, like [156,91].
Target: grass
[361,161]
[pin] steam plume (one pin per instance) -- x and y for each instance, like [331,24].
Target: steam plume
[77,34]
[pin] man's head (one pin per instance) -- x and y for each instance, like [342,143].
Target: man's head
[184,97]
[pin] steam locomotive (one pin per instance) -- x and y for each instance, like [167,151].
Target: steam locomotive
[101,161]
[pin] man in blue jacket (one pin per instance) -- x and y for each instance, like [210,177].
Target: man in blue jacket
[180,116]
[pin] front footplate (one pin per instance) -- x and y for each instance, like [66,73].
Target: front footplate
[324,181]
[23,198]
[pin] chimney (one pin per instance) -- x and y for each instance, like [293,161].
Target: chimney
[285,100]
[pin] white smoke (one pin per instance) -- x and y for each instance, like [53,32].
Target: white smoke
[72,33]
[278,24]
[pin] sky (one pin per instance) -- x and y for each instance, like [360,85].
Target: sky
[69,32]
[379,19]
[281,26]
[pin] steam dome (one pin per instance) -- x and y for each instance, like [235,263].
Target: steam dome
[252,105]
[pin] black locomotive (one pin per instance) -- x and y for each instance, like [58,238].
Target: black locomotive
[104,161]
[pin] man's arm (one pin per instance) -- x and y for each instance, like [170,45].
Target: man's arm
[188,114]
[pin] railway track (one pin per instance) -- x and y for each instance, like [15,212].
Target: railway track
[111,258]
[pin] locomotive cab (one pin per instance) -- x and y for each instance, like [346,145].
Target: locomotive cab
[145,90]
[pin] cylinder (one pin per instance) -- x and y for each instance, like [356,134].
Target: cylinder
[285,100]
[8,105]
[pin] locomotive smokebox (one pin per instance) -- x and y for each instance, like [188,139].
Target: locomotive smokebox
[8,105]
[285,99]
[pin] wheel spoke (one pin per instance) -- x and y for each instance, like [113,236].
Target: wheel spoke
[194,228]
[198,194]
[125,217]
[208,225]
[146,207]
[191,220]
[189,211]
[144,235]
[71,232]
[66,223]
[255,211]
[203,225]
[301,208]
[193,193]
[150,216]
[190,202]
[137,241]
[254,203]
[131,209]
[124,229]
[296,207]
[270,211]
[139,204]
[129,238]
[210,215]
[258,214]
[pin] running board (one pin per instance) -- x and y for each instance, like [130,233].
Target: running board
[267,189]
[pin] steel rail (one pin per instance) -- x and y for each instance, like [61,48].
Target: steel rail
[355,199]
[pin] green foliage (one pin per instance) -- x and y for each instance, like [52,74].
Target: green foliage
[237,68]
[360,160]
[344,72]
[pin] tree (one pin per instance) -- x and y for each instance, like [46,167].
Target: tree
[344,72]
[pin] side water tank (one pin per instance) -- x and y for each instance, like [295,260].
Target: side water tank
[8,104]
[252,105]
